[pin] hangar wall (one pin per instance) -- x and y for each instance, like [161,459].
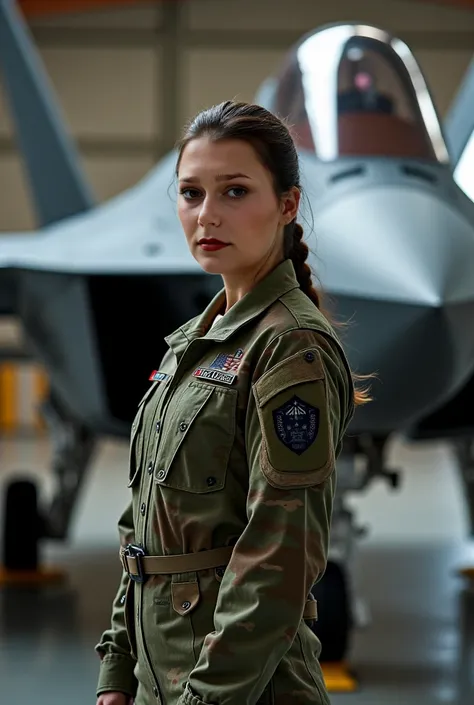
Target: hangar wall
[127,79]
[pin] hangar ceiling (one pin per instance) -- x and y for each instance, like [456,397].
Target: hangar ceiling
[40,7]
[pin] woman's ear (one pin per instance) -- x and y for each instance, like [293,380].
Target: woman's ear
[290,202]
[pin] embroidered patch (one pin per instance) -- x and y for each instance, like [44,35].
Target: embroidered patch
[296,424]
[157,376]
[214,375]
[228,363]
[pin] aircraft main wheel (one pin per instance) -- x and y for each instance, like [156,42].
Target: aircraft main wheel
[334,622]
[21,528]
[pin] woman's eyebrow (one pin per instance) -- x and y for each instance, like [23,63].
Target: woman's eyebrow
[219,177]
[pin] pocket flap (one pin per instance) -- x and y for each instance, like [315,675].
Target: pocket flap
[185,596]
[304,366]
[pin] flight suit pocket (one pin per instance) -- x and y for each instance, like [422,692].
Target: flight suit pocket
[135,445]
[295,421]
[185,596]
[137,437]
[198,437]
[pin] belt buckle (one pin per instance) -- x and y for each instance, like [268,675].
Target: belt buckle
[133,551]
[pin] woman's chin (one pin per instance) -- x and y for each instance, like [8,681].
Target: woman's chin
[212,263]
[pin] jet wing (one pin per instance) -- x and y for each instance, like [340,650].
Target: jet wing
[137,232]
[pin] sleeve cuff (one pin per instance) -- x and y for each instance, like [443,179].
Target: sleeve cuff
[117,674]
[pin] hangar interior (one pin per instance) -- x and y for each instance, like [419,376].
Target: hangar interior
[128,77]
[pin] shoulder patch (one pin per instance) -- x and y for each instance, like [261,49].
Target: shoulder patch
[296,424]
[295,414]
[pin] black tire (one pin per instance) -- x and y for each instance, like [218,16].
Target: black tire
[334,623]
[22,527]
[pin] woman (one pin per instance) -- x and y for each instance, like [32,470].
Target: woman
[233,448]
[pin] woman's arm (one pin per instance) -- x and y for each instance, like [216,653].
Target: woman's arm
[294,422]
[117,664]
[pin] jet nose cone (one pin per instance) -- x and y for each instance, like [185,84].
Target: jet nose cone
[400,265]
[397,244]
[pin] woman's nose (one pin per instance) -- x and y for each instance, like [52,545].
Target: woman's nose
[208,214]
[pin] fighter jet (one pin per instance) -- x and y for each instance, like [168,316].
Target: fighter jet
[453,421]
[393,246]
[389,254]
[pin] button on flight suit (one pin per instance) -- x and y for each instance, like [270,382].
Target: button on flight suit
[235,446]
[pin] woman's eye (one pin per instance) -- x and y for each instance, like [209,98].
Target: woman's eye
[237,192]
[190,193]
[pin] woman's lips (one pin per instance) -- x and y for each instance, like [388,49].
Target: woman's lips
[211,244]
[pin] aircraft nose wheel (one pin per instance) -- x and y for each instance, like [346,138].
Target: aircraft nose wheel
[22,527]
[25,524]
[334,623]
[22,532]
[333,628]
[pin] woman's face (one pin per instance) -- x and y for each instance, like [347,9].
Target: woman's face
[228,208]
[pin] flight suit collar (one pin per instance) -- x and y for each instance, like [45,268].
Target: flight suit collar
[280,281]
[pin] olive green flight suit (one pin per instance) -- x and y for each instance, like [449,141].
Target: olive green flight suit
[234,445]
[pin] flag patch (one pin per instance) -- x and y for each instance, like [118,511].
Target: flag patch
[157,376]
[223,369]
[228,363]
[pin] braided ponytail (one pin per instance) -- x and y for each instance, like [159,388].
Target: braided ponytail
[297,250]
[298,253]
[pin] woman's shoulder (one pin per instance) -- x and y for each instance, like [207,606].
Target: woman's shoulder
[295,321]
[294,328]
[304,313]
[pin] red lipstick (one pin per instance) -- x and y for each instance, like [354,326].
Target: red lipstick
[210,244]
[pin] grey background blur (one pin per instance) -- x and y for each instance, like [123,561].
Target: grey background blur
[128,78]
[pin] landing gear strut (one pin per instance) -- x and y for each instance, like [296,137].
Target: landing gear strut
[363,460]
[25,524]
[464,449]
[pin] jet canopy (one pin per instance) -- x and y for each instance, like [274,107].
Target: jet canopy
[354,90]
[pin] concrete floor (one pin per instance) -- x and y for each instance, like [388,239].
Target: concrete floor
[418,647]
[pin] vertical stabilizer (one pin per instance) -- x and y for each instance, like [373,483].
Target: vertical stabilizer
[58,185]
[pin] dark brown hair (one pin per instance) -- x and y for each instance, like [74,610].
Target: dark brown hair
[274,146]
